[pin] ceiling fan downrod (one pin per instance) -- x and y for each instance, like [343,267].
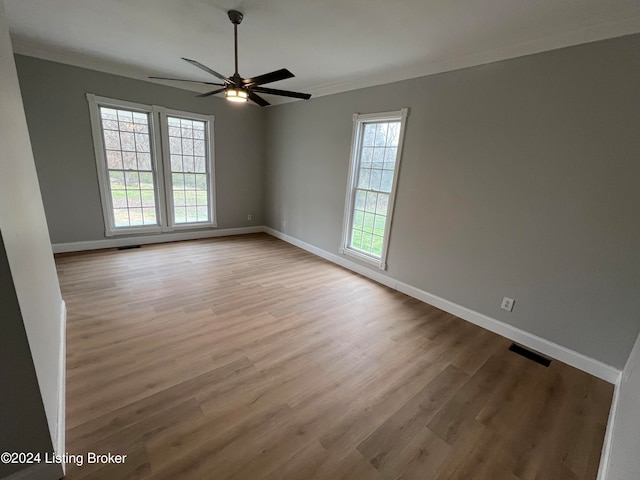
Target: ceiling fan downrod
[236,18]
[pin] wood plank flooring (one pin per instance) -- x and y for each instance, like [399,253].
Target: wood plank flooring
[245,358]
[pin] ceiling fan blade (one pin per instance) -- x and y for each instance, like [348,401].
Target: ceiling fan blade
[258,99]
[281,74]
[208,70]
[208,94]
[282,93]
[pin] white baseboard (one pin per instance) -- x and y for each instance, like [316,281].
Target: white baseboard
[553,350]
[60,442]
[608,436]
[38,471]
[610,433]
[148,239]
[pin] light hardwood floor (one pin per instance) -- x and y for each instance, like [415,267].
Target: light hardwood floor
[246,358]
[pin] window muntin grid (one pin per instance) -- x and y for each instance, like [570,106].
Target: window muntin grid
[189,170]
[376,166]
[129,164]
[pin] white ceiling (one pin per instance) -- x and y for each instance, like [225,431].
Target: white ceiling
[331,45]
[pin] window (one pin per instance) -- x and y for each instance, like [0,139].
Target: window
[373,175]
[155,166]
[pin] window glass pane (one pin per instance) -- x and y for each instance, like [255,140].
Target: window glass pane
[367,157]
[144,161]
[124,132]
[375,164]
[140,118]
[201,181]
[176,163]
[201,198]
[192,214]
[108,113]
[149,216]
[132,180]
[175,145]
[190,198]
[393,134]
[365,177]
[111,140]
[119,198]
[142,142]
[148,198]
[198,148]
[190,181]
[383,203]
[125,116]
[376,245]
[179,198]
[387,180]
[146,180]
[116,180]
[180,214]
[187,143]
[361,198]
[114,160]
[381,135]
[203,214]
[369,134]
[366,241]
[369,218]
[129,160]
[356,238]
[135,216]
[376,176]
[130,166]
[378,225]
[178,181]
[133,198]
[121,217]
[378,157]
[358,219]
[188,163]
[200,164]
[371,201]
[127,141]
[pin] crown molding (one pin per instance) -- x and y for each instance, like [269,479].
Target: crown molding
[566,39]
[592,33]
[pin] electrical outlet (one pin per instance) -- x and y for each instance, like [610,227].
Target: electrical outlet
[284,224]
[249,217]
[507,304]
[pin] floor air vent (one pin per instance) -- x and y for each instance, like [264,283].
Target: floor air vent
[128,247]
[531,355]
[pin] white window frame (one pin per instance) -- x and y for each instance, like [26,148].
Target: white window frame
[161,166]
[166,157]
[359,121]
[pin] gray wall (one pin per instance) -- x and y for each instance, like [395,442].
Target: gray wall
[33,282]
[23,424]
[58,117]
[624,463]
[518,178]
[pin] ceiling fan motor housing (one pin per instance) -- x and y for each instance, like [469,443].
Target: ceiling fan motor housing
[235,17]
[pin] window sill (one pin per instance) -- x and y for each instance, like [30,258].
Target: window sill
[192,226]
[378,262]
[132,230]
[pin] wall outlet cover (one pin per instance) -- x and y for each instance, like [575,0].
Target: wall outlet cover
[507,304]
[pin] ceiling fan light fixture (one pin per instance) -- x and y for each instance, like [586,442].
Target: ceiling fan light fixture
[236,95]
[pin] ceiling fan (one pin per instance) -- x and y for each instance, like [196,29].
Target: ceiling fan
[236,88]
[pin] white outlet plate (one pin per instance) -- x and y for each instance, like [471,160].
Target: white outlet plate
[507,304]
[249,217]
